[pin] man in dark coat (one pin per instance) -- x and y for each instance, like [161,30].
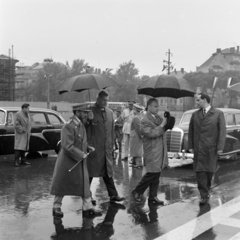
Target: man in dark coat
[100,132]
[155,153]
[74,150]
[206,139]
[22,128]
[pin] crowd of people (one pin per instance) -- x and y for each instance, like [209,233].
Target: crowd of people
[89,139]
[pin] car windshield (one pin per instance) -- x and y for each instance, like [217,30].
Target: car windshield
[2,117]
[186,118]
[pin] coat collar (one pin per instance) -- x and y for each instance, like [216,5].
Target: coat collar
[210,112]
[76,121]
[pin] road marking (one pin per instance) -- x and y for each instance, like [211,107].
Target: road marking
[236,237]
[203,223]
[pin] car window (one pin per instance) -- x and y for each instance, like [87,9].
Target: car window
[186,118]
[53,119]
[2,117]
[230,120]
[10,118]
[237,118]
[38,118]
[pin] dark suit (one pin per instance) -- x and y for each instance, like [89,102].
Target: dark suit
[207,135]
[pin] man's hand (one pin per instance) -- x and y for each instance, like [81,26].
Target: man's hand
[91,149]
[164,122]
[90,115]
[219,152]
[85,156]
[191,150]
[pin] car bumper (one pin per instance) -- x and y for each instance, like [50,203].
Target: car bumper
[179,159]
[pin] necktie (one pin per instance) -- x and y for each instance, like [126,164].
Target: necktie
[204,112]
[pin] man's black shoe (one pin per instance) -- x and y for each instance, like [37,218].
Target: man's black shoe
[117,205]
[136,196]
[92,213]
[94,202]
[57,212]
[26,163]
[155,201]
[203,201]
[116,199]
[16,164]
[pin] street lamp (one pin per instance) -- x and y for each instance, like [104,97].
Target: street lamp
[48,77]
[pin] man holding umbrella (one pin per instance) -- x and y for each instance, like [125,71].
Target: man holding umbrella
[100,132]
[70,175]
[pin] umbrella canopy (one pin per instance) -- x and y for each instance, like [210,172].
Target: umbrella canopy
[87,81]
[235,87]
[166,86]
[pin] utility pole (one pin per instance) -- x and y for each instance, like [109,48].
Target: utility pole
[48,77]
[167,64]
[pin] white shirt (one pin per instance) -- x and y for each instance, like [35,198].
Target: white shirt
[207,109]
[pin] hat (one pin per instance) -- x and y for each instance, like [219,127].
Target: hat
[85,107]
[170,121]
[138,107]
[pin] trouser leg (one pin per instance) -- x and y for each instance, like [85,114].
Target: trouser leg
[209,181]
[202,181]
[153,188]
[87,203]
[23,159]
[110,186]
[17,156]
[57,203]
[144,183]
[126,144]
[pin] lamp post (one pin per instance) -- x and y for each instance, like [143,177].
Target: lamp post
[48,77]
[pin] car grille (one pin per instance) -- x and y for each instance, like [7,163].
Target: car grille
[174,140]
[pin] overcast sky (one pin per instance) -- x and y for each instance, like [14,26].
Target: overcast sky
[107,33]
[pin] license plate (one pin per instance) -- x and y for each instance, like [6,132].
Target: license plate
[170,154]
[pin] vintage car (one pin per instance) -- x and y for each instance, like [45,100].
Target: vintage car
[177,138]
[45,134]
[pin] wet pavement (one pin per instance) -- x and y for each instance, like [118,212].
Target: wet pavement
[26,205]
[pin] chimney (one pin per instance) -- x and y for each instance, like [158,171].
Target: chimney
[182,70]
[219,50]
[238,49]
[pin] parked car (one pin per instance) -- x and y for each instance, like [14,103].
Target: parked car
[45,134]
[177,138]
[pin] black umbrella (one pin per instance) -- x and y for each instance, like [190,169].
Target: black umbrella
[86,82]
[166,86]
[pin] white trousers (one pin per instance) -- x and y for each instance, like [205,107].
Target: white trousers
[126,139]
[85,202]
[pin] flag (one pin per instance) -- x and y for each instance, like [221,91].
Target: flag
[229,82]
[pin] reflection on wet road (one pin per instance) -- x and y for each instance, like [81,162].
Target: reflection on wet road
[26,206]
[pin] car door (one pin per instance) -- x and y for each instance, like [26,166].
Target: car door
[2,131]
[39,124]
[56,124]
[236,130]
[8,135]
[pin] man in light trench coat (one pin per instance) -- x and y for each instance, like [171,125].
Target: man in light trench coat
[206,139]
[100,133]
[155,153]
[22,128]
[74,150]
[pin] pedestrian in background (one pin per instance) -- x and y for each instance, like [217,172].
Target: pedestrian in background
[74,150]
[118,125]
[22,128]
[136,147]
[154,153]
[100,132]
[206,139]
[127,115]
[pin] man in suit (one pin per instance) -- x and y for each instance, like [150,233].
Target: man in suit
[22,128]
[100,134]
[206,139]
[74,150]
[154,153]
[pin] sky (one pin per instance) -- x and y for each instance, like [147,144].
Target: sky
[107,33]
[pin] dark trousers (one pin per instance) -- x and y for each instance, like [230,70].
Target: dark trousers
[109,185]
[150,180]
[19,154]
[204,180]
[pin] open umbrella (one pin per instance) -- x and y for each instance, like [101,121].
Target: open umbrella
[235,87]
[166,86]
[87,81]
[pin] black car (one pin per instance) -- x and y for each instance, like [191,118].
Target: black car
[177,138]
[45,133]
